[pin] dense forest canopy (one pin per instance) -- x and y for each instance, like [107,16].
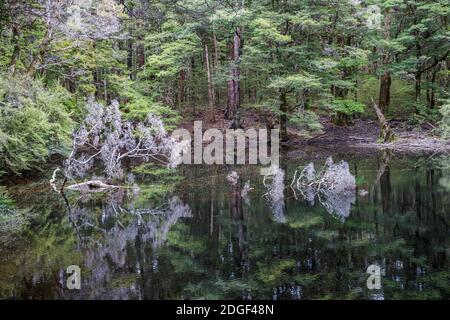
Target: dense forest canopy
[288,61]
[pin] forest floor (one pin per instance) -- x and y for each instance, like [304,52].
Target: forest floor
[362,135]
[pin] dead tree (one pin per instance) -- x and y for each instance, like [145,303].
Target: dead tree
[386,134]
[106,139]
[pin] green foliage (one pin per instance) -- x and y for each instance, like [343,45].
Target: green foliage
[157,181]
[266,30]
[180,238]
[296,82]
[307,121]
[276,273]
[5,199]
[347,106]
[306,221]
[139,106]
[301,55]
[424,115]
[34,123]
[170,50]
[402,95]
[13,221]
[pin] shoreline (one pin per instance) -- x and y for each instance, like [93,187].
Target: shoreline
[361,136]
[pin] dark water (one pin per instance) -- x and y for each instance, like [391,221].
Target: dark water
[192,235]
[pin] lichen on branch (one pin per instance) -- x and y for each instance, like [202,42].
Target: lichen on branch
[105,140]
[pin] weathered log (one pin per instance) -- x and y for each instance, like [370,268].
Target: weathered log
[91,185]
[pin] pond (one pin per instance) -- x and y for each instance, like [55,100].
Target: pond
[193,235]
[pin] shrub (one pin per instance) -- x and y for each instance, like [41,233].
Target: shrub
[423,115]
[347,106]
[34,123]
[139,106]
[344,109]
[307,121]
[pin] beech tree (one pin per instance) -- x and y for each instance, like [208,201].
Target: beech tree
[291,64]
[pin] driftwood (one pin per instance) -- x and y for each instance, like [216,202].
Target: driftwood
[88,186]
[386,134]
[91,185]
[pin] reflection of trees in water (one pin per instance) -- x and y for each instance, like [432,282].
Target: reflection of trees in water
[274,183]
[319,258]
[334,186]
[107,240]
[443,163]
[338,203]
[240,252]
[238,196]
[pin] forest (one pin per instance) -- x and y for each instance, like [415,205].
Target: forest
[90,91]
[289,64]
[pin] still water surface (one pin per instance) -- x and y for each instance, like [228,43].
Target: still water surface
[191,235]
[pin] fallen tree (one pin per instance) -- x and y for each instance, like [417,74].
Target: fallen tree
[106,141]
[92,185]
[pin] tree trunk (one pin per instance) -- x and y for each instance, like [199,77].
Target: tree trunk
[140,56]
[16,51]
[385,80]
[216,52]
[231,104]
[181,87]
[432,95]
[237,69]
[418,75]
[418,86]
[385,92]
[234,87]
[210,87]
[130,65]
[40,54]
[385,181]
[216,65]
[283,117]
[342,119]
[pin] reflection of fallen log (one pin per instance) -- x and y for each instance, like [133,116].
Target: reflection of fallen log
[92,185]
